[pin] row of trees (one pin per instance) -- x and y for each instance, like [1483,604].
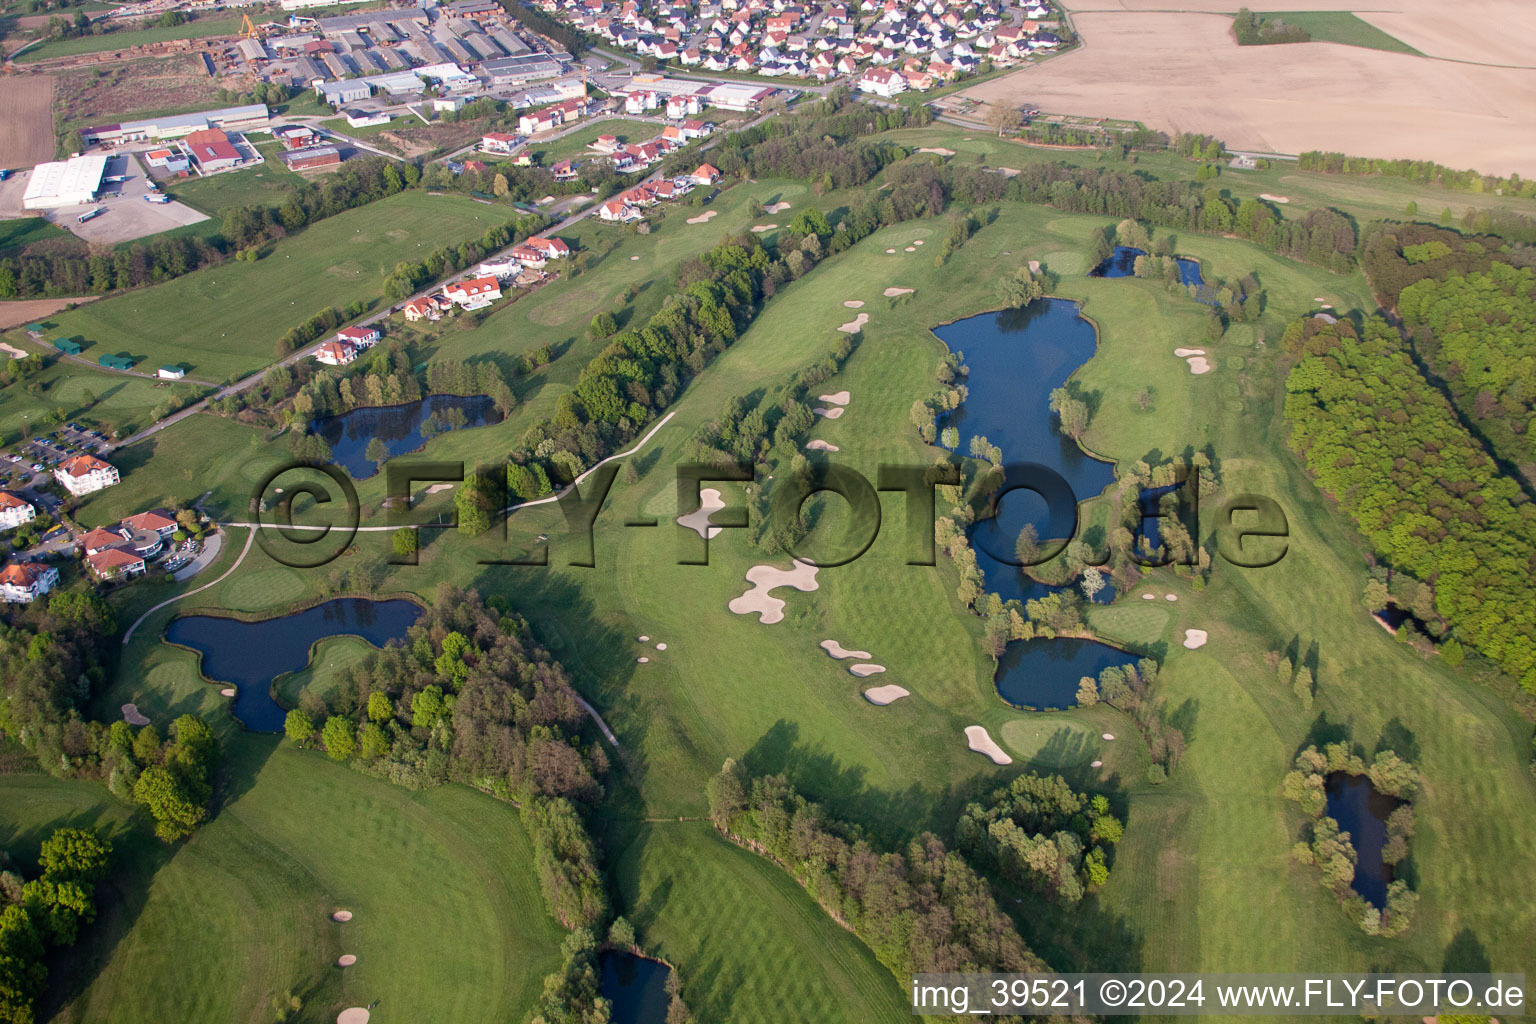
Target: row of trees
[922,909]
[1039,831]
[1424,172]
[1331,849]
[1257,30]
[1390,448]
[44,912]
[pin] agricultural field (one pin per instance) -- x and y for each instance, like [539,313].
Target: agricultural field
[26,121]
[224,321]
[1183,71]
[123,38]
[136,89]
[1342,27]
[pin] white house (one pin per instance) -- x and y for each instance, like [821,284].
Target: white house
[23,584]
[618,210]
[359,337]
[882,82]
[85,474]
[335,353]
[14,511]
[474,292]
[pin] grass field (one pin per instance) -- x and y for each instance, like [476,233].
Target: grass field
[225,321]
[578,143]
[248,900]
[1342,27]
[16,234]
[1203,880]
[266,185]
[122,39]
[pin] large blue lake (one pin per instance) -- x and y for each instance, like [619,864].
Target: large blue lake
[1016,359]
[249,655]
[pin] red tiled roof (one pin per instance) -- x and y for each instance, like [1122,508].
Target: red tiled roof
[112,558]
[83,465]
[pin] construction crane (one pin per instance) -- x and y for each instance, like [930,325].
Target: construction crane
[248,28]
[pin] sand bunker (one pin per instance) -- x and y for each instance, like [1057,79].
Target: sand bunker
[1009,172]
[838,651]
[1195,638]
[633,258]
[778,207]
[937,149]
[853,326]
[1182,352]
[1198,365]
[703,218]
[1170,597]
[890,250]
[643,660]
[1274,199]
[661,647]
[352,1015]
[835,398]
[131,715]
[917,241]
[819,445]
[911,248]
[346,960]
[764,578]
[758,229]
[1095,764]
[883,695]
[1109,736]
[865,671]
[977,739]
[854,304]
[646,639]
[228,691]
[342,916]
[830,414]
[15,352]
[1148,597]
[891,293]
[698,520]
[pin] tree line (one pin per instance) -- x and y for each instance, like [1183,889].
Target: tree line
[1257,30]
[920,909]
[1388,446]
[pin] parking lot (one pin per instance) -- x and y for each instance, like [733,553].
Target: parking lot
[125,215]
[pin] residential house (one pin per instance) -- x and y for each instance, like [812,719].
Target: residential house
[552,248]
[881,82]
[359,337]
[618,210]
[335,353]
[497,142]
[705,174]
[423,309]
[606,143]
[564,171]
[474,293]
[85,474]
[23,584]
[14,511]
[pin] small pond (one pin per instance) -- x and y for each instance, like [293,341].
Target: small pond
[636,985]
[1045,673]
[1123,264]
[249,655]
[1363,812]
[400,427]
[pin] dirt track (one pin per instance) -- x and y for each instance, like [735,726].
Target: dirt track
[26,121]
[1185,72]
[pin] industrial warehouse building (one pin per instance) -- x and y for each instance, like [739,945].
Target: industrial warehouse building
[72,182]
[251,117]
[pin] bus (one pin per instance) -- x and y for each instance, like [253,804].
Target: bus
[89,214]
